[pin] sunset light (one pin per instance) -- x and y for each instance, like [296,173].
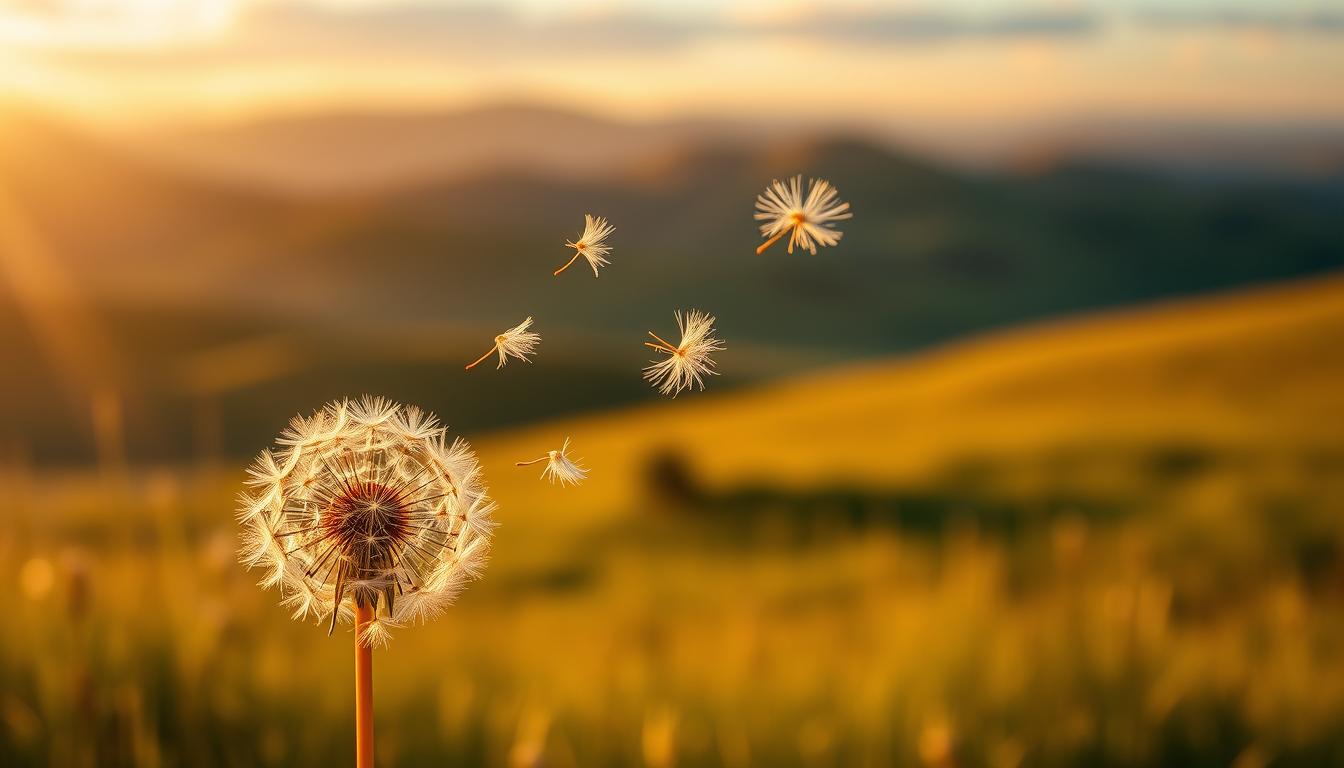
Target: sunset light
[911,68]
[672,383]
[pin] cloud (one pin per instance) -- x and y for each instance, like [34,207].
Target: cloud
[302,28]
[1306,21]
[465,33]
[622,30]
[933,26]
[444,29]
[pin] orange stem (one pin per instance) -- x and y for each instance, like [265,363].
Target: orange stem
[770,242]
[567,263]
[363,691]
[481,359]
[662,341]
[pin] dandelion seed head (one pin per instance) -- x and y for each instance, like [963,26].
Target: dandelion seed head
[559,467]
[591,245]
[562,469]
[690,360]
[517,342]
[364,503]
[808,220]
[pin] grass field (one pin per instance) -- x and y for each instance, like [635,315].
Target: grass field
[1115,540]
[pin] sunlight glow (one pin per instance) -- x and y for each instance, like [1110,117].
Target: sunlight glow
[77,24]
[52,304]
[143,61]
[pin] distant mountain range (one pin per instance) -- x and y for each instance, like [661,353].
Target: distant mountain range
[328,152]
[1194,148]
[217,301]
[349,151]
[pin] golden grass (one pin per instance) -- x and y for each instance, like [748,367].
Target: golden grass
[616,627]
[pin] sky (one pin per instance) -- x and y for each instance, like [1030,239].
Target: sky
[1001,64]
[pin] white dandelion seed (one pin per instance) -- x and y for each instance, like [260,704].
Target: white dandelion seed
[688,362]
[377,634]
[590,244]
[559,467]
[517,341]
[806,221]
[365,512]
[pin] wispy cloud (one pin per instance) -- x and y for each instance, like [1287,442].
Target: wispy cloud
[291,28]
[889,27]
[1268,19]
[435,24]
[420,29]
[954,59]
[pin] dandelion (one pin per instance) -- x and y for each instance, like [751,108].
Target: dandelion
[517,341]
[688,362]
[366,513]
[807,222]
[559,467]
[590,245]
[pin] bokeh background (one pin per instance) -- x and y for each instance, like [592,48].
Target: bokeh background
[1042,465]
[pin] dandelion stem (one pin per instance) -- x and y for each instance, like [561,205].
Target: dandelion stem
[662,341]
[363,689]
[529,463]
[482,358]
[761,248]
[567,263]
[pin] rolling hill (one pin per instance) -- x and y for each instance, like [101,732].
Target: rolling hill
[391,289]
[325,153]
[1245,379]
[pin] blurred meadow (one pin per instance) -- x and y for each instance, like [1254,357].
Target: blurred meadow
[1042,464]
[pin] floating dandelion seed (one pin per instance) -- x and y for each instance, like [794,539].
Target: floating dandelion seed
[688,362]
[365,512]
[590,245]
[517,341]
[559,467]
[807,222]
